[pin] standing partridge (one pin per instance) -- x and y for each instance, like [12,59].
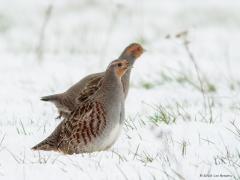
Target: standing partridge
[95,123]
[65,102]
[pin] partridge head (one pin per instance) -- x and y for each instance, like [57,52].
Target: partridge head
[119,67]
[132,52]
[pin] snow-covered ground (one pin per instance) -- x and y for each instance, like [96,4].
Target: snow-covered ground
[182,121]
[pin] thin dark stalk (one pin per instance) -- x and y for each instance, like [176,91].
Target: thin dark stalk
[184,37]
[40,45]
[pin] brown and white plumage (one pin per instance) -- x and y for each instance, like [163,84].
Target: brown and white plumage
[95,122]
[65,102]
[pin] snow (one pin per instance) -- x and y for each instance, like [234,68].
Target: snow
[82,38]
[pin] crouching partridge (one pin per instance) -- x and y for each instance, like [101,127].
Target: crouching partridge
[95,124]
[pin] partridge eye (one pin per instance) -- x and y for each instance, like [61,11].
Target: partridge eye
[119,65]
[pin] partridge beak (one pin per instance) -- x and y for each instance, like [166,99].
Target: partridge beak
[144,50]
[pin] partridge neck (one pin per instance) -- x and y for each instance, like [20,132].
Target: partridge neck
[126,77]
[111,89]
[111,81]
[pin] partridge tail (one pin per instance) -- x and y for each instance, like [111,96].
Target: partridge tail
[51,142]
[54,97]
[46,145]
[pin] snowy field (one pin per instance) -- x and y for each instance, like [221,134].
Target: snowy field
[183,108]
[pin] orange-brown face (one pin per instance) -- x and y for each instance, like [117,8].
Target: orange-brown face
[120,66]
[135,50]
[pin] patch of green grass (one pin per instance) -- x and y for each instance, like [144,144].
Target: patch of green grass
[169,114]
[183,78]
[211,88]
[147,85]
[163,115]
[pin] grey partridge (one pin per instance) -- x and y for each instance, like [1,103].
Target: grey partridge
[96,122]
